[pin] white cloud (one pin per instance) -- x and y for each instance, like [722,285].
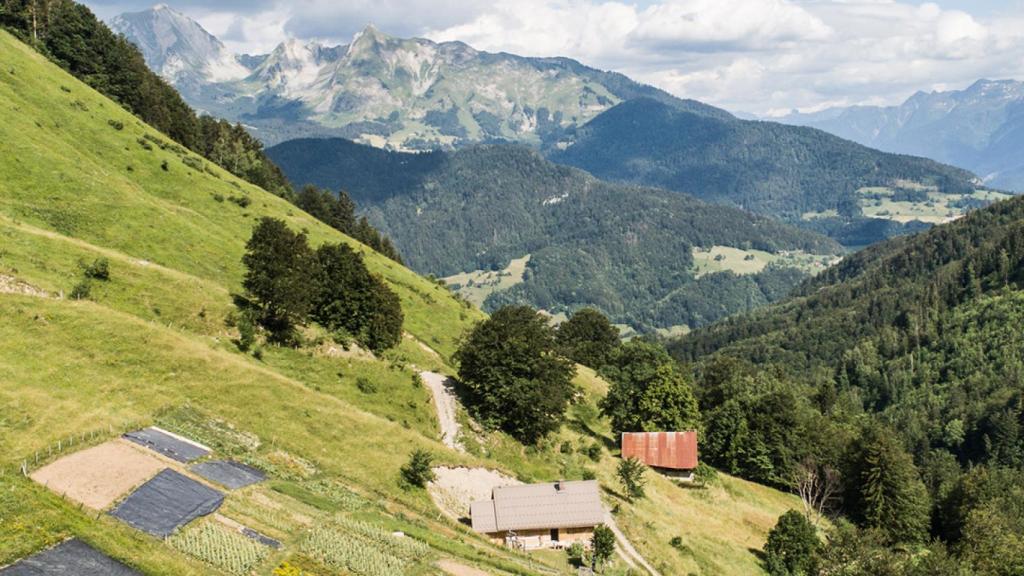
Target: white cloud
[256,33]
[761,56]
[711,25]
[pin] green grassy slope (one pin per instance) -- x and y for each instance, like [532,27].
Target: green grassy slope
[71,170]
[151,345]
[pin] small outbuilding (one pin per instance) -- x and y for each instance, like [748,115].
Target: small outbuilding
[532,516]
[671,453]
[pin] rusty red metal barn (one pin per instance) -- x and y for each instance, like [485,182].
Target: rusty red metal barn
[669,450]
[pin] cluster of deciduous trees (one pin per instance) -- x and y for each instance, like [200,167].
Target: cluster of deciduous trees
[515,378]
[288,283]
[517,370]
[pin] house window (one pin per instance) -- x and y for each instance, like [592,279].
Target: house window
[554,534]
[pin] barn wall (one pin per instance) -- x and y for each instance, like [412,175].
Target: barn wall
[536,539]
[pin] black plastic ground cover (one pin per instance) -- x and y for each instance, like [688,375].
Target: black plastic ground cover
[233,475]
[165,503]
[71,558]
[167,445]
[265,540]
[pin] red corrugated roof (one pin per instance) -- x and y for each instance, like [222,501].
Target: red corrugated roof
[672,450]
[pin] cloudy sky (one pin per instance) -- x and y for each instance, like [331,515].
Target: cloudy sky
[762,57]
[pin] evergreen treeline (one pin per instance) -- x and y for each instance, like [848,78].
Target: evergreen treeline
[287,283]
[774,169]
[901,370]
[624,250]
[339,212]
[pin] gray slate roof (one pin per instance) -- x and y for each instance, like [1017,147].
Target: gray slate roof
[575,504]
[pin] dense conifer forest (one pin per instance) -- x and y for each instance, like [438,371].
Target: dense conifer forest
[909,351]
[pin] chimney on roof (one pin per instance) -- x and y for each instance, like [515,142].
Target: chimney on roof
[558,485]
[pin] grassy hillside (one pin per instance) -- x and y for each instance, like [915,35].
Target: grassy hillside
[81,179]
[623,249]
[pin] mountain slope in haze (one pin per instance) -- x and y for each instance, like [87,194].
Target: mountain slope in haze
[633,252]
[800,175]
[82,179]
[402,93]
[980,128]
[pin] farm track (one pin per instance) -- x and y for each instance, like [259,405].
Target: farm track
[443,390]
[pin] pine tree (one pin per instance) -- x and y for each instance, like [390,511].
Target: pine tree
[791,545]
[884,489]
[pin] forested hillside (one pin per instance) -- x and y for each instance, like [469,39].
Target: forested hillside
[796,174]
[627,250]
[918,337]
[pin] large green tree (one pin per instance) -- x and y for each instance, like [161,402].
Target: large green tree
[791,545]
[588,337]
[514,376]
[648,391]
[353,299]
[883,488]
[280,276]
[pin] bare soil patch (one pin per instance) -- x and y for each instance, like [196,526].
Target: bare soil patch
[454,489]
[11,285]
[456,569]
[99,476]
[352,351]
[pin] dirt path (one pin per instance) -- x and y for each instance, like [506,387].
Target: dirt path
[625,548]
[443,390]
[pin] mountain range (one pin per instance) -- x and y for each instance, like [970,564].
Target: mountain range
[415,94]
[803,176]
[382,90]
[644,256]
[980,128]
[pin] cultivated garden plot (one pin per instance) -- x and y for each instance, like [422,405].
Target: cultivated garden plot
[220,546]
[231,475]
[97,477]
[362,548]
[165,503]
[70,558]
[170,445]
